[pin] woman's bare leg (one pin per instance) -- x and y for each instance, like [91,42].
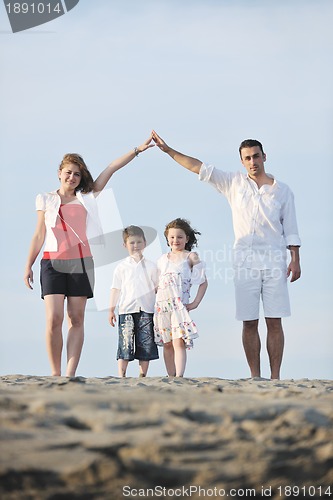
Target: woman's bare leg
[75,315]
[54,308]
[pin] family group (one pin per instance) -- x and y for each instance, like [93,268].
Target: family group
[154,300]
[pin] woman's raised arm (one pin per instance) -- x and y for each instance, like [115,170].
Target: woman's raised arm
[117,164]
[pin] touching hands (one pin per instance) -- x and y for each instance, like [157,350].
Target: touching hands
[146,145]
[159,142]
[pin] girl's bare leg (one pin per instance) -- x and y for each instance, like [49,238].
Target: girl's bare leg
[75,316]
[169,359]
[180,356]
[54,308]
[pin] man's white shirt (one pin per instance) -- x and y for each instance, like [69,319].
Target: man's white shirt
[264,219]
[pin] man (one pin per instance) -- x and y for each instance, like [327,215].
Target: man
[265,226]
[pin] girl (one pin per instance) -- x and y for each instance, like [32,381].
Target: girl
[178,270]
[66,219]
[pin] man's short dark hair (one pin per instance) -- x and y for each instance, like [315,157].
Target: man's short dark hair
[250,143]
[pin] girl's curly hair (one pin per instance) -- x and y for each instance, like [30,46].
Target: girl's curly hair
[185,226]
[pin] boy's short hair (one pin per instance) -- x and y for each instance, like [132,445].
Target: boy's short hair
[133,231]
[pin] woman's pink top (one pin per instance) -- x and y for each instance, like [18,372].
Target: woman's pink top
[70,232]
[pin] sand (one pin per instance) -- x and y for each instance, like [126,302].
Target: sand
[111,438]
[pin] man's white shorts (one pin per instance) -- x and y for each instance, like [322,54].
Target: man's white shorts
[269,284]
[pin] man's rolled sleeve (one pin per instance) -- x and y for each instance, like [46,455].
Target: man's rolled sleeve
[218,178]
[205,172]
[290,223]
[293,240]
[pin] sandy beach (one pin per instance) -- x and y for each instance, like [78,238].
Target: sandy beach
[158,437]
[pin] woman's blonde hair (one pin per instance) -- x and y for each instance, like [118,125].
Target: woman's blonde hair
[87,183]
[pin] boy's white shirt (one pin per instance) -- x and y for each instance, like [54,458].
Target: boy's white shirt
[137,282]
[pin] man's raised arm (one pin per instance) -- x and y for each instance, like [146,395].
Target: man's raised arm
[188,162]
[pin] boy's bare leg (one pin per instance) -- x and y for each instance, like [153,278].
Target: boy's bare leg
[122,367]
[143,367]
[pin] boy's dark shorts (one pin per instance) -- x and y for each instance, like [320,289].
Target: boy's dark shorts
[136,337]
[72,278]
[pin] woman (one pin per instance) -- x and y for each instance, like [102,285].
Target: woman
[66,220]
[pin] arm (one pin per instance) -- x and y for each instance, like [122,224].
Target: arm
[35,247]
[294,267]
[292,238]
[194,260]
[188,162]
[199,296]
[117,164]
[155,277]
[114,297]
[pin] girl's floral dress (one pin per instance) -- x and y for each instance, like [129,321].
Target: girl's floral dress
[171,318]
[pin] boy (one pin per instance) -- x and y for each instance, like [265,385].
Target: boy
[134,283]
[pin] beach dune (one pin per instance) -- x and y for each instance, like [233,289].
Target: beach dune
[111,438]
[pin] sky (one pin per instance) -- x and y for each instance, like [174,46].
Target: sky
[205,75]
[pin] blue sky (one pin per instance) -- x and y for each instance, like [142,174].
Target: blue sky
[205,75]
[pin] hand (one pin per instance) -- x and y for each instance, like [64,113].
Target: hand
[29,278]
[294,269]
[112,318]
[191,306]
[159,142]
[147,144]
